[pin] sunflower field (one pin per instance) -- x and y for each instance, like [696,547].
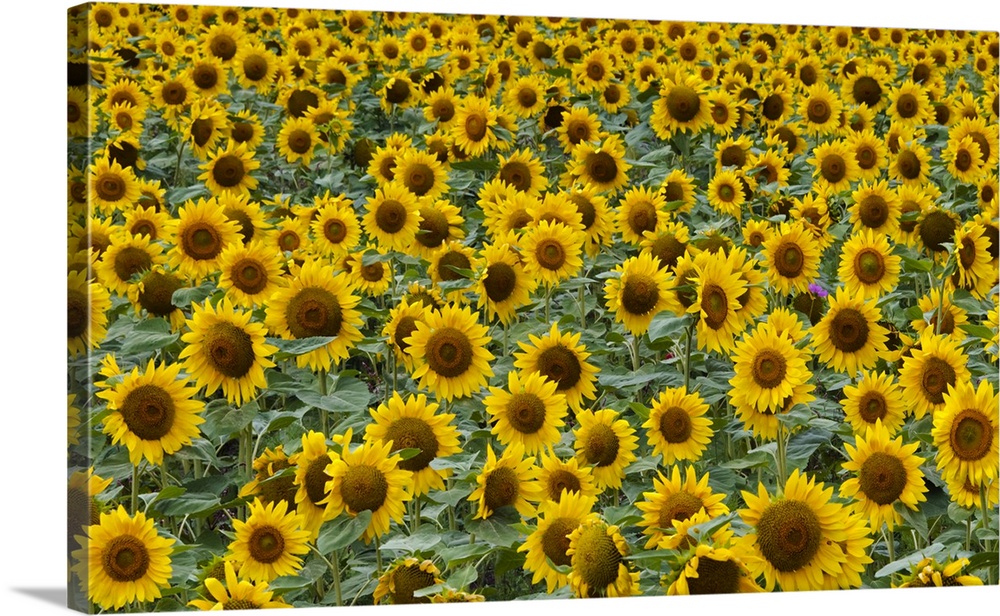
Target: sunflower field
[383,307]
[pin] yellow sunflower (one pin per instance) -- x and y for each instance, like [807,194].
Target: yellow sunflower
[317,302]
[502,284]
[597,554]
[127,256]
[336,228]
[950,315]
[928,573]
[911,164]
[529,412]
[250,274]
[966,433]
[228,170]
[887,472]
[640,293]
[270,543]
[201,231]
[368,478]
[965,161]
[607,442]
[440,222]
[511,480]
[112,187]
[975,270]
[421,174]
[849,338]
[236,594]
[402,322]
[551,252]
[123,559]
[549,541]
[680,107]
[392,216]
[578,125]
[929,370]
[835,167]
[311,481]
[557,476]
[472,131]
[875,207]
[602,165]
[523,171]
[561,358]
[297,140]
[820,108]
[868,268]
[450,347]
[791,258]
[265,485]
[402,579]
[719,290]
[677,427]
[226,349]
[909,105]
[876,398]
[676,499]
[711,569]
[768,369]
[640,210]
[154,292]
[412,423]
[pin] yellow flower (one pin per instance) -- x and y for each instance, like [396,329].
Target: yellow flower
[510,480]
[549,541]
[966,433]
[607,442]
[849,338]
[677,427]
[228,170]
[270,543]
[450,347]
[597,556]
[928,371]
[640,293]
[529,412]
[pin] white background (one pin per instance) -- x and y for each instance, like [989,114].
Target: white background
[32,289]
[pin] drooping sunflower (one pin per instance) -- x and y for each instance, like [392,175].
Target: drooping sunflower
[928,372]
[123,559]
[270,542]
[868,268]
[225,349]
[201,231]
[402,579]
[792,258]
[975,271]
[551,252]
[529,412]
[401,323]
[886,472]
[236,594]
[597,554]
[943,310]
[640,293]
[719,289]
[440,222]
[450,346]
[928,573]
[82,506]
[317,302]
[557,476]
[677,427]
[849,338]
[561,358]
[453,261]
[549,542]
[311,481]
[412,423]
[876,398]
[711,569]
[368,478]
[607,442]
[266,484]
[966,433]
[675,499]
[602,165]
[795,535]
[511,480]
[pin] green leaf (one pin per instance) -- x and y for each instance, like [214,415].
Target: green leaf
[288,582]
[982,560]
[921,265]
[150,335]
[191,503]
[979,331]
[451,497]
[463,577]
[408,452]
[909,561]
[342,532]
[495,530]
[349,396]
[427,591]
[666,325]
[299,346]
[426,537]
[478,164]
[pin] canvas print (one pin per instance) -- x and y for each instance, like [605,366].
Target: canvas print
[374,307]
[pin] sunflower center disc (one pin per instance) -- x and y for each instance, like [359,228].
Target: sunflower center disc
[249,276]
[526,413]
[289,240]
[907,106]
[501,488]
[373,272]
[595,71]
[110,187]
[675,425]
[967,253]
[201,131]
[205,76]
[413,433]
[679,506]
[789,259]
[577,131]
[299,141]
[500,281]
[642,217]
[174,93]
[454,259]
[963,160]
[833,168]
[818,110]
[601,446]
[714,577]
[223,46]
[364,488]
[668,249]
[130,261]
[314,312]
[561,365]
[714,306]
[908,165]
[773,106]
[937,228]
[882,478]
[971,435]
[390,216]
[157,293]
[596,558]
[789,535]
[125,559]
[316,478]
[640,294]
[419,179]
[937,376]
[404,329]
[866,157]
[849,330]
[255,67]
[683,103]
[550,254]
[266,544]
[230,349]
[201,241]
[555,540]
[433,227]
[562,480]
[228,171]
[868,266]
[873,407]
[148,412]
[516,174]
[449,352]
[475,127]
[769,368]
[240,604]
[408,579]
[602,167]
[867,91]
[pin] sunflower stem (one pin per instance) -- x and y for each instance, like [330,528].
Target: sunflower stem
[336,577]
[634,351]
[780,458]
[134,501]
[890,543]
[548,302]
[583,306]
[687,356]
[323,419]
[378,556]
[177,165]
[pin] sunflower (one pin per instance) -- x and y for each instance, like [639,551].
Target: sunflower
[597,554]
[820,108]
[966,433]
[402,579]
[502,284]
[928,372]
[849,338]
[529,412]
[558,476]
[270,543]
[87,304]
[297,140]
[950,315]
[791,257]
[450,347]
[123,559]
[641,209]
[710,569]
[225,349]
[392,216]
[876,398]
[602,165]
[561,358]
[83,509]
[887,472]
[578,125]
[510,480]
[472,130]
[127,256]
[525,95]
[255,66]
[311,481]
[401,323]
[453,261]
[869,153]
[909,105]
[795,536]
[549,541]
[677,427]
[267,484]
[440,222]
[420,173]
[523,171]
[594,71]
[151,222]
[317,303]
[867,266]
[250,273]
[719,288]
[336,228]
[928,573]
[975,271]
[875,207]
[606,442]
[201,231]
[675,500]
[551,252]
[368,479]
[680,107]
[112,187]
[236,594]
[639,293]
[768,368]
[965,161]
[911,164]
[667,244]
[414,424]
[228,170]
[835,167]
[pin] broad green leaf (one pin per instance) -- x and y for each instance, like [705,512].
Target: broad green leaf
[149,335]
[299,346]
[426,537]
[909,561]
[462,578]
[191,503]
[342,532]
